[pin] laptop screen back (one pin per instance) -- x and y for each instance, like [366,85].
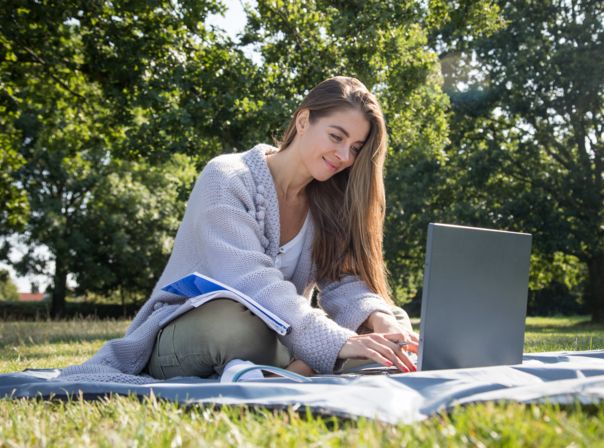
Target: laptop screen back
[474,297]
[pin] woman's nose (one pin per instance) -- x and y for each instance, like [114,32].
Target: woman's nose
[343,153]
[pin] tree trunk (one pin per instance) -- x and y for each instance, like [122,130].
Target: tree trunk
[595,287]
[58,291]
[123,297]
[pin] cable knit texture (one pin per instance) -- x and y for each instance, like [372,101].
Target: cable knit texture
[230,232]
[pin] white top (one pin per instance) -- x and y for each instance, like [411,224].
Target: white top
[287,258]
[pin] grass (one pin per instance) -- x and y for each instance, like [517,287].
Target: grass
[127,421]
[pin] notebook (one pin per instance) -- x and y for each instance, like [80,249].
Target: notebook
[201,289]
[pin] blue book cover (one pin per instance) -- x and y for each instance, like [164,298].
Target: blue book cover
[202,289]
[193,285]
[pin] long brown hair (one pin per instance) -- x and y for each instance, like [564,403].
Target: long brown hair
[348,209]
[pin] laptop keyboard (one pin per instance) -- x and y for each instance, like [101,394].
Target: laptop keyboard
[376,369]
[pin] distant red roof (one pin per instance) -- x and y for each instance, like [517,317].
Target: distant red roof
[31,296]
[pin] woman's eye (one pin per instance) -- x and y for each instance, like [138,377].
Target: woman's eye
[336,138]
[356,150]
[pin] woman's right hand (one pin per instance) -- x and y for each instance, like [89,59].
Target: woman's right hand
[382,348]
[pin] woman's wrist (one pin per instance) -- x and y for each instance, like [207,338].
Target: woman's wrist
[377,317]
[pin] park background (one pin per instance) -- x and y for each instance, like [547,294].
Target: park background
[109,110]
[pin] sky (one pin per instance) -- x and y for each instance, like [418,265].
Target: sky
[234,19]
[232,23]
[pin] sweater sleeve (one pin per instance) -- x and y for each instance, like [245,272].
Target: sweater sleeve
[349,301]
[231,248]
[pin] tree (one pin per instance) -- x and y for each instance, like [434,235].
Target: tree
[529,126]
[13,198]
[86,84]
[98,85]
[8,290]
[108,222]
[127,233]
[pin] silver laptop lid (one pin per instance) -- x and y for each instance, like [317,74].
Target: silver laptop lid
[474,297]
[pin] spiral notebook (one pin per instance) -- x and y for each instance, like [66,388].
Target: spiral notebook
[201,289]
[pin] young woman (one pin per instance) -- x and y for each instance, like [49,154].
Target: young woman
[275,223]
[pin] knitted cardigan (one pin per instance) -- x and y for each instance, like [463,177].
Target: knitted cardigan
[230,231]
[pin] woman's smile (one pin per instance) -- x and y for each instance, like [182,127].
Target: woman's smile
[333,167]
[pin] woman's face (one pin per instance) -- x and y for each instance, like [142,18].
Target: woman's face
[330,144]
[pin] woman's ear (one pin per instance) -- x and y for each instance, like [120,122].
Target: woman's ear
[302,121]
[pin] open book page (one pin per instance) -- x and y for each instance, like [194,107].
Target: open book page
[201,289]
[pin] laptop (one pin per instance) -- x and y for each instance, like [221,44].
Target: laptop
[474,297]
[473,300]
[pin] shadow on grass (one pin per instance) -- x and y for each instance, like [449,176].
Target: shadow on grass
[573,328]
[29,357]
[59,339]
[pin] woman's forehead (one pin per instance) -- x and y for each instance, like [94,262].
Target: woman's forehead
[351,122]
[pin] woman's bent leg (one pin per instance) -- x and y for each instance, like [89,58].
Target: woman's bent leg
[202,341]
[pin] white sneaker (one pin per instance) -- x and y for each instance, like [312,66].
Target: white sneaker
[234,366]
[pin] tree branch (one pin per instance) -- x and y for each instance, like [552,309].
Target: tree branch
[49,73]
[294,32]
[544,136]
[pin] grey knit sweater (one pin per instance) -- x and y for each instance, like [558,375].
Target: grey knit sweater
[230,232]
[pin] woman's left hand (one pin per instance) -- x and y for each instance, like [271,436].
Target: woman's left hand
[386,323]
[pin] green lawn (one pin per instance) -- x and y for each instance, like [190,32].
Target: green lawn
[123,421]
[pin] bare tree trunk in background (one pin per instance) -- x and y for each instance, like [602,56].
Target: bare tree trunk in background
[595,287]
[58,291]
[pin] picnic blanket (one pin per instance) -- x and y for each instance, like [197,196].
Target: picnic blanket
[557,377]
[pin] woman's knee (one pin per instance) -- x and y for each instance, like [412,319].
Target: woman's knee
[223,320]
[228,330]
[239,327]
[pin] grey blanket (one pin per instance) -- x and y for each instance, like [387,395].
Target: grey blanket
[560,377]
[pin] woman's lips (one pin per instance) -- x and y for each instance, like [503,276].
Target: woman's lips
[330,165]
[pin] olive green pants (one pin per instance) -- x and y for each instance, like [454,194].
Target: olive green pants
[202,341]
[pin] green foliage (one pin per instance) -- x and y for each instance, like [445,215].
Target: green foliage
[129,226]
[527,150]
[98,100]
[165,77]
[112,223]
[8,290]
[100,96]
[453,21]
[13,198]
